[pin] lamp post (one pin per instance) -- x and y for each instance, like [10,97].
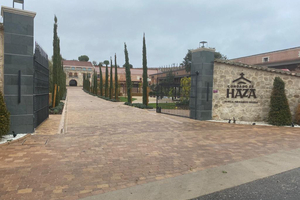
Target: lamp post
[202,42]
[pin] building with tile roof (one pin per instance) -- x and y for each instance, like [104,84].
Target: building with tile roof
[281,59]
[136,77]
[76,69]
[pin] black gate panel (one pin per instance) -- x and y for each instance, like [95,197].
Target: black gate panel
[41,86]
[172,100]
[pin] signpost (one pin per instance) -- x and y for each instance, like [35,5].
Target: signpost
[18,1]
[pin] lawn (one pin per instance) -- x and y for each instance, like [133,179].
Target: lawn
[125,99]
[163,105]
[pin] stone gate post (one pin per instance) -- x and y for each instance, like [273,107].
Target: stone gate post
[202,69]
[18,67]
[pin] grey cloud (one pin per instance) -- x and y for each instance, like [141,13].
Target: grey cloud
[99,28]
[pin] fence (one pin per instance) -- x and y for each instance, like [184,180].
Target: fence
[41,86]
[172,99]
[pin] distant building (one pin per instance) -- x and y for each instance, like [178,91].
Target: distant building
[281,59]
[136,77]
[178,73]
[74,71]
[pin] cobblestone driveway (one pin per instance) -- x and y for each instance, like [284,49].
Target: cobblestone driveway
[109,146]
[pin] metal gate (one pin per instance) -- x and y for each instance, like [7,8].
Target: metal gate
[40,86]
[173,99]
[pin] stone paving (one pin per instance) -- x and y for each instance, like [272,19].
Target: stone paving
[109,146]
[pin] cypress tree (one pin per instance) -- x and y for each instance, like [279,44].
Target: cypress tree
[145,75]
[116,78]
[280,113]
[101,81]
[4,117]
[55,57]
[95,82]
[83,82]
[128,75]
[111,80]
[106,62]
[59,74]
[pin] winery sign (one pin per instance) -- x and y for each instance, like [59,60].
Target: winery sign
[242,90]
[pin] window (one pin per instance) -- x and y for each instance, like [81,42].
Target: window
[265,59]
[75,75]
[73,68]
[70,74]
[88,75]
[84,69]
[90,69]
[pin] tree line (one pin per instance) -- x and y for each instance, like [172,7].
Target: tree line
[109,87]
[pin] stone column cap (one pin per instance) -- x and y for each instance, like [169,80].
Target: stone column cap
[17,11]
[203,49]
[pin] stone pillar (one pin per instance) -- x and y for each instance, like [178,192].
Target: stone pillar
[202,69]
[1,58]
[18,66]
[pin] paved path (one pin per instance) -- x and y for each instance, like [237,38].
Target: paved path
[110,146]
[278,187]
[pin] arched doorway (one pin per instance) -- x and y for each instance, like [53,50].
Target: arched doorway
[73,82]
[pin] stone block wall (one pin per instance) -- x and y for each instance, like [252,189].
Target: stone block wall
[249,99]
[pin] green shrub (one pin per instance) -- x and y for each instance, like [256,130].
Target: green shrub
[279,113]
[297,115]
[140,105]
[4,117]
[58,109]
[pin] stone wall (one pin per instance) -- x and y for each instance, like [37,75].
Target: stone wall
[243,91]
[1,57]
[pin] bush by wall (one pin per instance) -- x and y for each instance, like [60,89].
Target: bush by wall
[4,117]
[58,109]
[138,105]
[279,113]
[297,115]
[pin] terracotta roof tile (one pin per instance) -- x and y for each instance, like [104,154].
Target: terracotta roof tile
[77,63]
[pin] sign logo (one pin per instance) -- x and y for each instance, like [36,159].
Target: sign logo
[241,88]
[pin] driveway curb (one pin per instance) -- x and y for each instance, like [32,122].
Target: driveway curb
[62,124]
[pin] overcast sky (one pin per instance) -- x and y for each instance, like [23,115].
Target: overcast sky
[99,28]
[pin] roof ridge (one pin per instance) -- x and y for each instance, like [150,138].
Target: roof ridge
[262,68]
[267,52]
